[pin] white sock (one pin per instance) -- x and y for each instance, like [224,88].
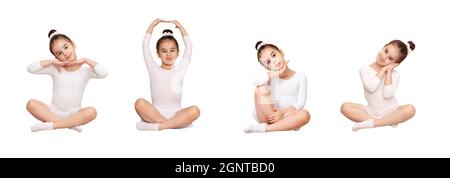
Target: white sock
[42,126]
[147,126]
[258,128]
[369,123]
[77,128]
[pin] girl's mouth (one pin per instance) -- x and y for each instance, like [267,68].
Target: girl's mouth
[278,65]
[69,58]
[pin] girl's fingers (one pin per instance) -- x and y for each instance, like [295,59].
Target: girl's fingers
[274,120]
[274,117]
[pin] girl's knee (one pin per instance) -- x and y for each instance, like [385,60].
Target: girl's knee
[303,116]
[410,110]
[31,104]
[262,91]
[194,111]
[344,108]
[90,113]
[140,103]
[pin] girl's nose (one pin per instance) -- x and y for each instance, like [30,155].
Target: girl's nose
[275,61]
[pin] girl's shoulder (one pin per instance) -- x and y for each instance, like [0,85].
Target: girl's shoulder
[366,68]
[395,73]
[299,75]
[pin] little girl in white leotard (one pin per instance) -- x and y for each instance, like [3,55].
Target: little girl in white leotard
[380,82]
[70,77]
[380,98]
[280,95]
[286,92]
[166,83]
[68,87]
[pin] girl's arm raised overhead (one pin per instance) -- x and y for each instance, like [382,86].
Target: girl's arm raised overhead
[179,26]
[146,45]
[153,25]
[187,43]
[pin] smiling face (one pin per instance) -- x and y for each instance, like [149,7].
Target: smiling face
[63,50]
[388,55]
[168,52]
[271,58]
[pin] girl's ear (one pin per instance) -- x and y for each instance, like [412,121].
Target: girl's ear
[74,46]
[281,52]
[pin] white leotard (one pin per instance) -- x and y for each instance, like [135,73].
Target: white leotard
[166,85]
[68,87]
[286,93]
[380,98]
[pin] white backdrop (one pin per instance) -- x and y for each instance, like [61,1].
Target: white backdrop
[327,40]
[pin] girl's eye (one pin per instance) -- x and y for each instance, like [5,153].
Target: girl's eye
[58,53]
[273,55]
[268,62]
[65,47]
[386,51]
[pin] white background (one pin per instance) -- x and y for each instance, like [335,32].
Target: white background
[327,40]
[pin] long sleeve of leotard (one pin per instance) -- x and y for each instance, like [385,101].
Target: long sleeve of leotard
[99,71]
[369,79]
[187,52]
[149,62]
[389,90]
[301,97]
[36,68]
